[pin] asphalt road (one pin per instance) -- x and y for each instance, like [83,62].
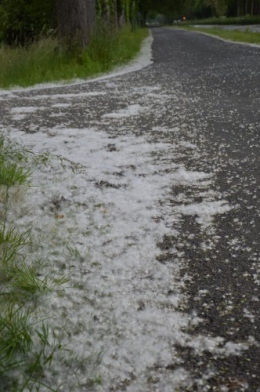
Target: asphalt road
[223,82]
[201,100]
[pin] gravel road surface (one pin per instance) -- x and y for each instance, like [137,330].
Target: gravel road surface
[165,217]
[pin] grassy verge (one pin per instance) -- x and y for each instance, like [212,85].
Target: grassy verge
[243,20]
[235,35]
[26,348]
[42,61]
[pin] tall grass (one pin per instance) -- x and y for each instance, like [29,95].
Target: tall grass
[25,350]
[234,35]
[240,20]
[44,62]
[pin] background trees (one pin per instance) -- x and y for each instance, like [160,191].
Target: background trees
[206,8]
[201,8]
[22,21]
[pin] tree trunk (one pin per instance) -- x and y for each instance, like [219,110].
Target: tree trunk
[252,7]
[115,16]
[238,8]
[76,19]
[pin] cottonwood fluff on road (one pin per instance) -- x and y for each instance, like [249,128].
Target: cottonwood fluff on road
[121,301]
[108,210]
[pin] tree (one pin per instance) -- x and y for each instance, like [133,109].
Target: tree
[219,7]
[225,7]
[168,8]
[199,9]
[76,20]
[24,20]
[107,12]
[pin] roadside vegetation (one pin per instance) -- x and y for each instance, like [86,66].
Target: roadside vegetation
[241,20]
[42,61]
[26,347]
[234,35]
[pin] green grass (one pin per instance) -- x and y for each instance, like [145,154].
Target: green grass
[242,20]
[25,350]
[27,345]
[22,362]
[12,160]
[43,62]
[235,35]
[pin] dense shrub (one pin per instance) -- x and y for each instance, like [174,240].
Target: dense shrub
[22,21]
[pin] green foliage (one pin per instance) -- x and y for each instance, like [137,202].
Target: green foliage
[12,174]
[216,8]
[108,49]
[153,7]
[43,62]
[235,35]
[14,330]
[219,7]
[12,151]
[196,9]
[25,348]
[245,20]
[24,20]
[12,171]
[11,242]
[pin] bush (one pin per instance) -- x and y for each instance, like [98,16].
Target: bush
[43,62]
[24,20]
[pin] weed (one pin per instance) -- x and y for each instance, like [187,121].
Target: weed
[25,347]
[15,331]
[11,242]
[26,280]
[12,174]
[74,252]
[12,158]
[94,381]
[60,281]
